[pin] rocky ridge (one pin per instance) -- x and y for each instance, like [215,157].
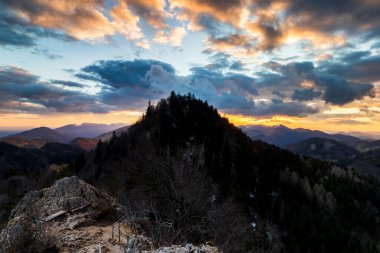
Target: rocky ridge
[73,216]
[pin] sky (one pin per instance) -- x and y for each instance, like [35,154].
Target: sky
[312,64]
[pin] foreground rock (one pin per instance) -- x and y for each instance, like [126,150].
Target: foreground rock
[70,216]
[73,216]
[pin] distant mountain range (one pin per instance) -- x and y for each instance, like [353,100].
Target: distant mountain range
[341,148]
[84,136]
[6,133]
[87,130]
[361,155]
[188,175]
[282,136]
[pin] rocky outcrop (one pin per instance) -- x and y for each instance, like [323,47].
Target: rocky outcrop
[73,216]
[57,217]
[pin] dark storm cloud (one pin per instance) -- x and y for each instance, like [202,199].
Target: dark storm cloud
[22,91]
[121,74]
[128,84]
[339,91]
[305,94]
[359,66]
[278,107]
[272,36]
[236,93]
[278,94]
[333,88]
[332,15]
[355,56]
[68,83]
[14,37]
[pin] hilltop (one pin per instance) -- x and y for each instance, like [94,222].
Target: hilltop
[185,165]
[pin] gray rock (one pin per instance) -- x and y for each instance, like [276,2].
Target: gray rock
[82,205]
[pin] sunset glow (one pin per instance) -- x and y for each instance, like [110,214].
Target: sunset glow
[303,65]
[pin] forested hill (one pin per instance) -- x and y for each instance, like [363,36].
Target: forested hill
[183,164]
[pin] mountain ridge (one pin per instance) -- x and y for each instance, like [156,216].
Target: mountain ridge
[282,136]
[85,135]
[325,149]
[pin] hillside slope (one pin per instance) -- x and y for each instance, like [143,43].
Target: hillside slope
[183,164]
[35,138]
[325,149]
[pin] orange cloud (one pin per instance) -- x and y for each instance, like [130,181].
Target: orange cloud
[173,36]
[79,19]
[125,22]
[231,11]
[91,20]
[152,11]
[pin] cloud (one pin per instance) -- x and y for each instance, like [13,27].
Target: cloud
[359,66]
[293,89]
[22,91]
[173,36]
[121,74]
[68,83]
[339,91]
[225,11]
[127,23]
[231,41]
[270,35]
[270,24]
[305,94]
[18,32]
[14,37]
[92,20]
[46,53]
[128,84]
[279,107]
[305,81]
[78,19]
[334,15]
[152,11]
[295,84]
[224,62]
[247,26]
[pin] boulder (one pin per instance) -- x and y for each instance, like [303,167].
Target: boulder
[56,213]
